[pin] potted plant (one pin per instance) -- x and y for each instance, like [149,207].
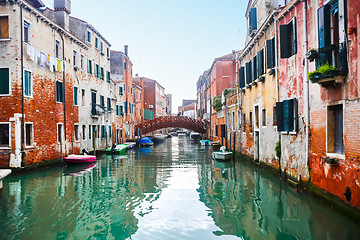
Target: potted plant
[312,54]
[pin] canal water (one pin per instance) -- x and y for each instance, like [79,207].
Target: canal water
[170,191]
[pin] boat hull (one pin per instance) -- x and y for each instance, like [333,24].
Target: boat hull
[222,156]
[205,142]
[80,159]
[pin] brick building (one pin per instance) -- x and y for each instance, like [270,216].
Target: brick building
[55,93]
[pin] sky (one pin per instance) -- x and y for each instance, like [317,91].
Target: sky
[170,41]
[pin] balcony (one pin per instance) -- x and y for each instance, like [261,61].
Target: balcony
[98,110]
[331,65]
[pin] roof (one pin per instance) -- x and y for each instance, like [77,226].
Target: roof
[36,3]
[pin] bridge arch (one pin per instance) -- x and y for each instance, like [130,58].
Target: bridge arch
[170,121]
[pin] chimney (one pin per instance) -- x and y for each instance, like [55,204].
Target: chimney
[62,11]
[126,50]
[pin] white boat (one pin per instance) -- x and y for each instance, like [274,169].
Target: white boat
[159,138]
[181,133]
[222,154]
[130,145]
[195,135]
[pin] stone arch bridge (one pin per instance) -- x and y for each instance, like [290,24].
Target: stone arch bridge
[170,121]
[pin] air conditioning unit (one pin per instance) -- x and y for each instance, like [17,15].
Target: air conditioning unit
[151,106]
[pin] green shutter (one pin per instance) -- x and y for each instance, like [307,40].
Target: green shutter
[108,76]
[125,65]
[110,131]
[254,68]
[27,83]
[242,77]
[121,110]
[260,62]
[285,46]
[4,81]
[102,73]
[125,107]
[75,96]
[269,54]
[62,92]
[280,116]
[253,20]
[296,118]
[248,72]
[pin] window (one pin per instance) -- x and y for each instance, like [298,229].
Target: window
[117,111]
[59,132]
[216,130]
[288,45]
[60,91]
[75,96]
[96,42]
[76,132]
[256,116]
[244,122]
[335,131]
[125,65]
[88,37]
[125,107]
[274,116]
[98,131]
[102,101]
[250,121]
[270,53]
[109,131]
[57,49]
[83,96]
[4,81]
[4,27]
[84,132]
[254,73]
[263,117]
[93,103]
[102,73]
[252,20]
[27,32]
[233,120]
[103,131]
[108,76]
[260,63]
[121,110]
[75,59]
[107,52]
[248,72]
[89,67]
[90,132]
[27,84]
[82,62]
[109,104]
[287,115]
[101,47]
[120,91]
[4,135]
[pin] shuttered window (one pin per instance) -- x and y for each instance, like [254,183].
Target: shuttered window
[120,91]
[287,115]
[27,84]
[270,53]
[252,20]
[324,31]
[108,76]
[4,81]
[89,67]
[109,104]
[4,135]
[242,77]
[260,63]
[248,72]
[125,107]
[288,41]
[254,72]
[102,75]
[60,91]
[75,96]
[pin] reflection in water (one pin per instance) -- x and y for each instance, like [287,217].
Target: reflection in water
[170,191]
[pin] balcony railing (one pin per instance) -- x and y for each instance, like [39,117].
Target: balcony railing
[98,110]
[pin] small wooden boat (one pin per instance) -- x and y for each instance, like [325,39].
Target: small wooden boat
[75,158]
[158,138]
[145,142]
[222,154]
[205,142]
[117,149]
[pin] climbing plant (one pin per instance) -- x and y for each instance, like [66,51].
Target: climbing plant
[217,104]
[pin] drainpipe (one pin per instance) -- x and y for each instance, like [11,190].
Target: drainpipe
[63,56]
[306,85]
[22,78]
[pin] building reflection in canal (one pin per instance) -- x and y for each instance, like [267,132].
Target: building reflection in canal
[171,191]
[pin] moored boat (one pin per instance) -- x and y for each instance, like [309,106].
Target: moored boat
[144,142]
[117,149]
[195,135]
[158,138]
[205,142]
[130,145]
[76,158]
[222,154]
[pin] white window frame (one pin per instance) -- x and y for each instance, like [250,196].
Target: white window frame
[29,32]
[9,38]
[9,124]
[32,85]
[59,53]
[75,58]
[62,132]
[76,134]
[32,135]
[8,94]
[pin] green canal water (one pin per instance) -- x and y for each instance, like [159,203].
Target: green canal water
[171,191]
